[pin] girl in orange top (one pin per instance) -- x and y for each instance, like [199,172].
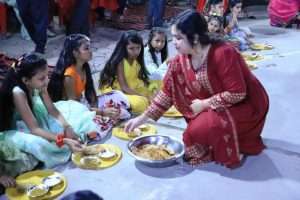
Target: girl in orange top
[72,77]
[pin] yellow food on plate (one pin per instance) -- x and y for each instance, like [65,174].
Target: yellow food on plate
[135,133]
[92,149]
[90,161]
[38,191]
[107,154]
[261,46]
[111,155]
[153,152]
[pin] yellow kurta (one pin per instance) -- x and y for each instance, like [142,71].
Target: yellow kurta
[138,103]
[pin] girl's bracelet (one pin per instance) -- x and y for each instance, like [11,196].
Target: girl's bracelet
[60,140]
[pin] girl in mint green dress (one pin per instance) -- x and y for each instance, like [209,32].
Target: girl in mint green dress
[32,123]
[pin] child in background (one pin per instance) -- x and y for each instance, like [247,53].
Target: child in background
[156,53]
[215,7]
[125,70]
[32,122]
[232,28]
[215,24]
[72,80]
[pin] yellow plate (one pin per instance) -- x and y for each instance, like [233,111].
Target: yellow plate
[35,178]
[172,112]
[120,133]
[103,163]
[258,46]
[252,57]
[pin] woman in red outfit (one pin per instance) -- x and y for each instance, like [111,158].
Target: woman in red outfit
[209,82]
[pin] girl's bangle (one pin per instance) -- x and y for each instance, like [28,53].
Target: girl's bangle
[60,140]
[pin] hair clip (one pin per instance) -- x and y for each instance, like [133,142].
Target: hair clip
[13,66]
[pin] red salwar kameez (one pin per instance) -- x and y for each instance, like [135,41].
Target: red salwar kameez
[238,106]
[203,3]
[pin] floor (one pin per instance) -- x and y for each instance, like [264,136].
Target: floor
[274,174]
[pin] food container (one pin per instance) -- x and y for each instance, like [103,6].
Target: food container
[52,180]
[171,143]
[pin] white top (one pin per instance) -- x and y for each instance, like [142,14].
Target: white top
[157,72]
[17,89]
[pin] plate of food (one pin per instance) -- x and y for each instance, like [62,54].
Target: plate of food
[98,156]
[259,46]
[146,129]
[156,150]
[172,112]
[38,184]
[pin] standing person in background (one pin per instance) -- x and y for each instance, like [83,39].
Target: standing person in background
[224,104]
[34,14]
[156,10]
[79,22]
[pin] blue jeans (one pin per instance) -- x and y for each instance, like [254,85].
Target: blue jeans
[34,14]
[80,18]
[156,9]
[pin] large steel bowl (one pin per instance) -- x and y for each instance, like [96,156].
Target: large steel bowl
[172,143]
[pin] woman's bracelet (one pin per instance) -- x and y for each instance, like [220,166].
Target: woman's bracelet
[60,140]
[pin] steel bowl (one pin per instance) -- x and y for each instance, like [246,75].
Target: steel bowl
[172,143]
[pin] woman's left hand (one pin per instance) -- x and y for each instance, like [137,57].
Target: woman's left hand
[198,105]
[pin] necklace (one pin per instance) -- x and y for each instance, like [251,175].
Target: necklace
[198,60]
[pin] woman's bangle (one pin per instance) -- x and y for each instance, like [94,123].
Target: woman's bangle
[59,140]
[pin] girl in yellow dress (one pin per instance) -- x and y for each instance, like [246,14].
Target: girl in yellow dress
[125,70]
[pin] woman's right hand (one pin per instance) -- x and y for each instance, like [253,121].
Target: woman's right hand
[74,145]
[135,122]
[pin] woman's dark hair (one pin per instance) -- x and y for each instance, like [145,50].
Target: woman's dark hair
[164,51]
[26,67]
[192,23]
[67,59]
[108,74]
[214,2]
[232,3]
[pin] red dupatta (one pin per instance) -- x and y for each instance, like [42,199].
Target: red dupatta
[182,84]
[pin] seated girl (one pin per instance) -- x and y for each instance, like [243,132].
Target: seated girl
[29,119]
[156,54]
[232,28]
[125,71]
[72,80]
